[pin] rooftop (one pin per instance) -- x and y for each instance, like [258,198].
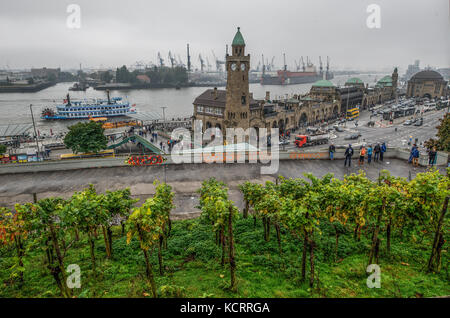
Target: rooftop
[323,83]
[238,38]
[354,80]
[427,75]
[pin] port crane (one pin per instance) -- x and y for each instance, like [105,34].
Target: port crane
[188,59]
[180,61]
[208,64]
[303,64]
[161,60]
[172,60]
[202,62]
[297,65]
[219,63]
[272,66]
[320,65]
[328,64]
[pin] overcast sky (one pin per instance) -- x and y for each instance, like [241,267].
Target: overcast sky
[33,33]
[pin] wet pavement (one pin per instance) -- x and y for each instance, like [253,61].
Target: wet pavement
[184,178]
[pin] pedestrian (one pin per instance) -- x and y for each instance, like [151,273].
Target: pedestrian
[362,153]
[376,150]
[416,155]
[160,144]
[432,154]
[369,154]
[348,155]
[382,151]
[331,150]
[413,148]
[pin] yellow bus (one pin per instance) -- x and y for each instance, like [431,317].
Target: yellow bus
[101,154]
[353,113]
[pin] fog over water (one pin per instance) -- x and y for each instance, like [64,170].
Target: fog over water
[114,32]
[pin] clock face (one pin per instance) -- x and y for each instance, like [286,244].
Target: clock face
[243,67]
[233,67]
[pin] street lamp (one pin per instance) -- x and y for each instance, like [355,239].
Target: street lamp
[35,132]
[164,114]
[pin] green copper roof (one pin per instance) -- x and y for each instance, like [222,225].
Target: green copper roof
[354,80]
[238,39]
[323,83]
[386,79]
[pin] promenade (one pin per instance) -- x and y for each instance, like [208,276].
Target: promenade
[185,179]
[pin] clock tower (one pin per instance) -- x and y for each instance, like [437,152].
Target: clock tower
[237,105]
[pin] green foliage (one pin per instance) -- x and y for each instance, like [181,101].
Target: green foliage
[37,241]
[168,75]
[86,137]
[2,149]
[443,134]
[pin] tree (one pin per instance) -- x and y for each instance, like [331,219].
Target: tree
[86,211]
[106,77]
[217,209]
[117,205]
[14,229]
[86,137]
[123,75]
[49,227]
[443,134]
[2,149]
[146,224]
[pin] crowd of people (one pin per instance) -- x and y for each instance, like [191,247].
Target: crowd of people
[377,152]
[415,154]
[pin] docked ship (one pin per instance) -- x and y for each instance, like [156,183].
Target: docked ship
[111,107]
[308,74]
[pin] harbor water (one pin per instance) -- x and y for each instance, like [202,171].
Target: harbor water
[14,107]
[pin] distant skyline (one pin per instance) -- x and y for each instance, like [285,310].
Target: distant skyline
[115,33]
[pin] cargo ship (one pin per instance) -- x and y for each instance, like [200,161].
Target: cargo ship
[111,107]
[307,75]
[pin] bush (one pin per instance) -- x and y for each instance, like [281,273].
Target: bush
[172,291]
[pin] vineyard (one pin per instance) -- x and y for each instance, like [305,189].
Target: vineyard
[311,237]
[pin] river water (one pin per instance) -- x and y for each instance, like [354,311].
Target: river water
[14,107]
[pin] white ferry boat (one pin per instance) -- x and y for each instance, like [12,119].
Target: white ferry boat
[110,107]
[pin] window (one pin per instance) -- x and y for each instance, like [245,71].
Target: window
[243,99]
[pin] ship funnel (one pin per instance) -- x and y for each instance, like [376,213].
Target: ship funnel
[109,99]
[68,99]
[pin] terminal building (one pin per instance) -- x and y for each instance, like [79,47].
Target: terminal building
[427,84]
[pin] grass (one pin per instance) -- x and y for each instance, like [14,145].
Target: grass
[192,267]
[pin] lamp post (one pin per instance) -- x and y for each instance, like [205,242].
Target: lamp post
[164,114]
[35,132]
[346,108]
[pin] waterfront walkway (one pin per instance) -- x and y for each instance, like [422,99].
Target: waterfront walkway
[185,179]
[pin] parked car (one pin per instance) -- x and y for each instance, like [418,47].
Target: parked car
[419,122]
[407,123]
[283,142]
[338,128]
